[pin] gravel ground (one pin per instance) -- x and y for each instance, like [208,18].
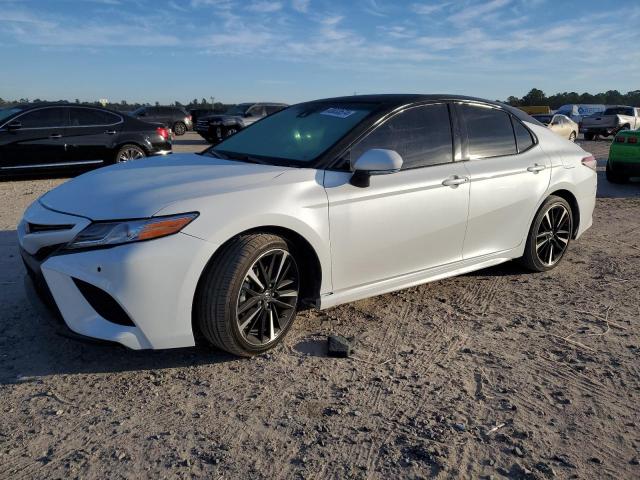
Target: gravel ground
[499,373]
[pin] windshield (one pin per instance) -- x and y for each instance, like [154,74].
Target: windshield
[138,111]
[546,119]
[298,134]
[619,111]
[7,112]
[238,109]
[565,110]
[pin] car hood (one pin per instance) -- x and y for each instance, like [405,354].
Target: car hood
[141,188]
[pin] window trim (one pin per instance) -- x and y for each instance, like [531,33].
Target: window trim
[93,126]
[31,110]
[67,109]
[465,135]
[389,116]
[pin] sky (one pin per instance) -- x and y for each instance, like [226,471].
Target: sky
[296,50]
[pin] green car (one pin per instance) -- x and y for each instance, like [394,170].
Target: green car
[624,157]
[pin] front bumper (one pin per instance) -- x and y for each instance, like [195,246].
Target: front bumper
[153,282]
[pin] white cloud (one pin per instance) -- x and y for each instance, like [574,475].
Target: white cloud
[471,13]
[301,6]
[428,8]
[265,6]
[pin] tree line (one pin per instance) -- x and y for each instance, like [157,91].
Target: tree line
[123,105]
[610,97]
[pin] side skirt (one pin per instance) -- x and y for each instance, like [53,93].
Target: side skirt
[417,278]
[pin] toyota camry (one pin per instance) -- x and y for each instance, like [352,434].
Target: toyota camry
[322,203]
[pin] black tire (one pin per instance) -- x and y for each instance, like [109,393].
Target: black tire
[614,177]
[573,137]
[179,128]
[539,250]
[129,152]
[231,130]
[588,136]
[221,300]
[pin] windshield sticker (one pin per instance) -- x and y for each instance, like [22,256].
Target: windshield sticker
[338,112]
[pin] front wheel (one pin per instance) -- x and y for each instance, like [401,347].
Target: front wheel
[248,297]
[549,236]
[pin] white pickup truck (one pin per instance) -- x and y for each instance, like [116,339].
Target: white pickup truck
[611,121]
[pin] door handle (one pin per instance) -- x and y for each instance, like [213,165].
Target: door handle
[110,132]
[454,181]
[536,168]
[55,135]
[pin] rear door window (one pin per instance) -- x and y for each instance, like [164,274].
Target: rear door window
[44,118]
[421,135]
[86,117]
[489,132]
[524,140]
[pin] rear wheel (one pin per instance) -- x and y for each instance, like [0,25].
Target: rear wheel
[614,177]
[549,236]
[248,298]
[573,136]
[179,128]
[129,152]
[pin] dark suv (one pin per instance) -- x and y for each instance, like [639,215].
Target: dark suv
[215,128]
[176,118]
[47,137]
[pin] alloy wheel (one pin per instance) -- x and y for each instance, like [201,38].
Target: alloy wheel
[553,235]
[130,154]
[268,297]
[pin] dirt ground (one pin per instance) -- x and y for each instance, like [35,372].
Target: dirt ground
[499,373]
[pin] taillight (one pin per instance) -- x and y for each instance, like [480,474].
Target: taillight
[163,132]
[632,139]
[590,162]
[620,139]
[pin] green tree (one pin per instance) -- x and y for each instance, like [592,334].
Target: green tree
[534,97]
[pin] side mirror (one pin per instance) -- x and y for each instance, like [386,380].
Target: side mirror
[13,126]
[377,161]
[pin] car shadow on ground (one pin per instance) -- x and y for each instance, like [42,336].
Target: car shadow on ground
[34,343]
[190,141]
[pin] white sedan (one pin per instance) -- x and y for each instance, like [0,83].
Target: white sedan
[322,203]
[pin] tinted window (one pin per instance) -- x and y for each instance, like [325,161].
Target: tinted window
[523,137]
[421,135]
[83,117]
[256,112]
[46,117]
[619,111]
[489,132]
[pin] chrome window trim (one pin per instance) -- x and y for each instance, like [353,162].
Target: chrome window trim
[68,126]
[47,165]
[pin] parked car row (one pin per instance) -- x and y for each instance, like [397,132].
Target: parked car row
[54,136]
[611,121]
[216,127]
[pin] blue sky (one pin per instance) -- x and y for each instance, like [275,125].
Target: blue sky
[294,50]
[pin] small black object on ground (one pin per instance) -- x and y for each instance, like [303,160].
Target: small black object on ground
[338,346]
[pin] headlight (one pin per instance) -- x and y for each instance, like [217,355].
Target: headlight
[101,234]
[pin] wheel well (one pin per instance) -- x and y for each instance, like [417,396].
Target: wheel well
[305,255]
[573,203]
[122,144]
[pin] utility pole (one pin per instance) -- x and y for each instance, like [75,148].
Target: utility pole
[212,99]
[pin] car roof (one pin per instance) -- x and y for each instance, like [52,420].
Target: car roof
[395,100]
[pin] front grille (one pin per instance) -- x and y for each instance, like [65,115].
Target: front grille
[38,227]
[103,303]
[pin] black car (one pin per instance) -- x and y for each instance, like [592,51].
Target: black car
[215,128]
[176,118]
[46,137]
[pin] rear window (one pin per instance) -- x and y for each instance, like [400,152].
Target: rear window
[489,132]
[524,140]
[619,111]
[85,117]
